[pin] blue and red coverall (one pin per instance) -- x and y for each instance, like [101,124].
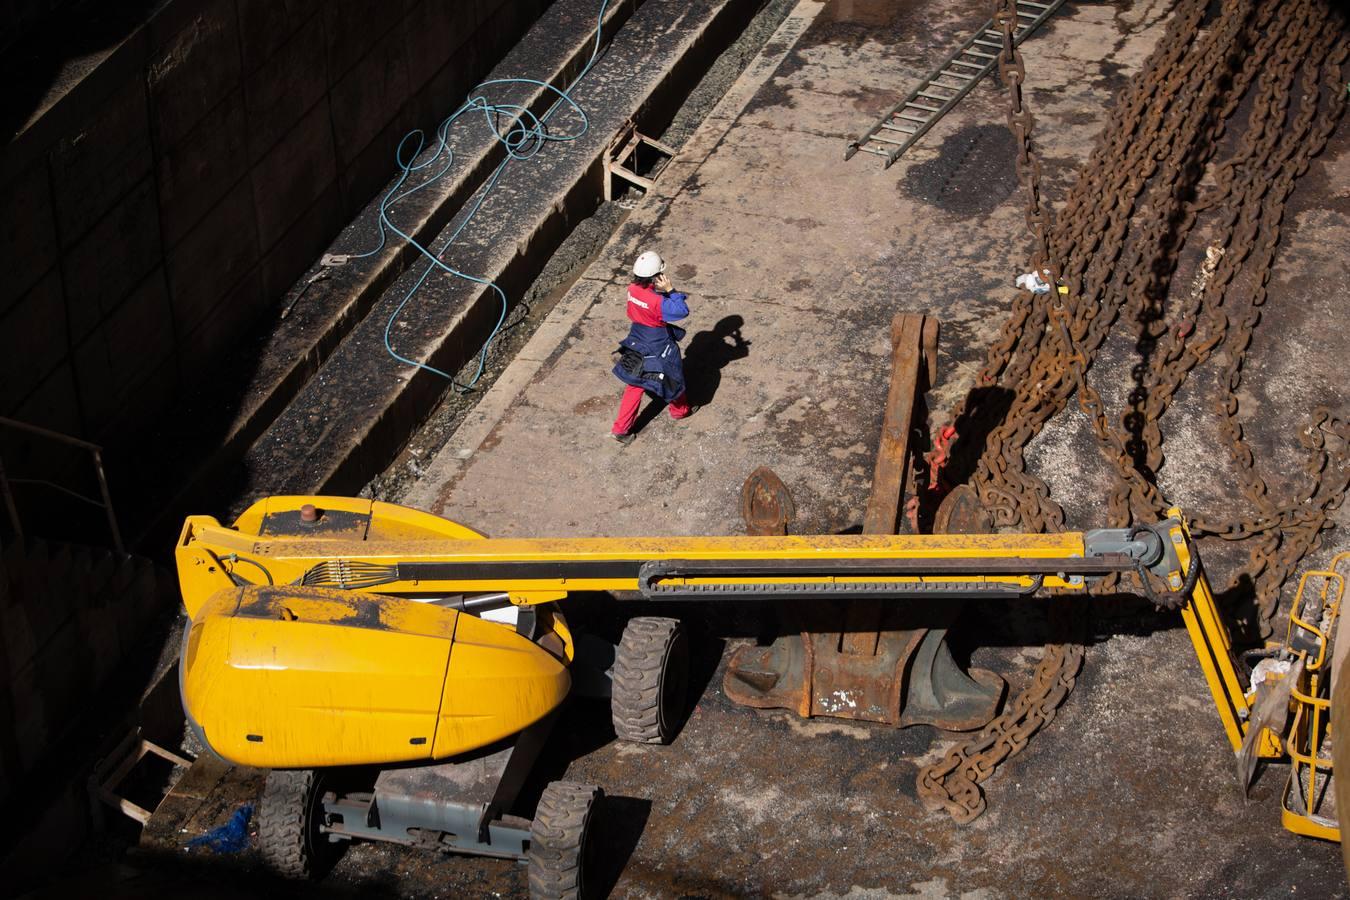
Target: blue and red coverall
[652,335]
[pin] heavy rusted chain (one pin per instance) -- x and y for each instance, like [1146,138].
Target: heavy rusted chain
[1115,246]
[952,784]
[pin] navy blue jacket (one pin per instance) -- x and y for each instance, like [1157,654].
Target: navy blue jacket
[652,335]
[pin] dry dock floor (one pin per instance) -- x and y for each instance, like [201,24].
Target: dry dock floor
[1130,792]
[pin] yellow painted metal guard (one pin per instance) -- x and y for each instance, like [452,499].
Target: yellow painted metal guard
[1310,771]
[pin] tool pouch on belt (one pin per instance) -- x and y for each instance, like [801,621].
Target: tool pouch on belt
[630,361]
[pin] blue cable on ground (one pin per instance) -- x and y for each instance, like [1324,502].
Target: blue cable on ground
[524,139]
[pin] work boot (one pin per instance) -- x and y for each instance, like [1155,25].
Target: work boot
[624,439]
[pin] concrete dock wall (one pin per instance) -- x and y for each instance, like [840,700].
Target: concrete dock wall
[153,213]
[73,662]
[19,17]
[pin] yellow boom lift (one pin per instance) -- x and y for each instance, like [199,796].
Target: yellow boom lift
[330,633]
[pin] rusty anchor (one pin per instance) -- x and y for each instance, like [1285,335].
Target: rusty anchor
[869,660]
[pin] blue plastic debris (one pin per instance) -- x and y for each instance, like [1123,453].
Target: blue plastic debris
[232,837]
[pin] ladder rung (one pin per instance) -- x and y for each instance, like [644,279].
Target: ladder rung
[965,67]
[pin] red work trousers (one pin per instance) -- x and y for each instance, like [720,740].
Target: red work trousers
[632,400]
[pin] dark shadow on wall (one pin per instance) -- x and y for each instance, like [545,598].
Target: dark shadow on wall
[43,50]
[105,315]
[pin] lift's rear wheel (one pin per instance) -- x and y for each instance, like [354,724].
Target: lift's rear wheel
[651,678]
[289,815]
[558,841]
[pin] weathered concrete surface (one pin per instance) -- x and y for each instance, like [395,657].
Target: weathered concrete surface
[169,168]
[231,409]
[1130,791]
[79,633]
[349,421]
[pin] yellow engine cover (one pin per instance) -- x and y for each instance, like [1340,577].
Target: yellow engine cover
[296,677]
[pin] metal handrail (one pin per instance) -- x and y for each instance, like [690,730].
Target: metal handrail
[95,451]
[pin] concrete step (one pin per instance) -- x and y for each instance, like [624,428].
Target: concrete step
[236,405]
[351,420]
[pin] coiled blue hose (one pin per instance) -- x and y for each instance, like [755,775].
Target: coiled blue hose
[523,140]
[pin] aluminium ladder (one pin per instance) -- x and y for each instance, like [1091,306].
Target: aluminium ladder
[907,121]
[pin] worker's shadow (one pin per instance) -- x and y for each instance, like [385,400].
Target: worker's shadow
[707,353]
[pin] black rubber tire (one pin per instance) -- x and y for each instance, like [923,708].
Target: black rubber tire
[288,825]
[558,841]
[650,681]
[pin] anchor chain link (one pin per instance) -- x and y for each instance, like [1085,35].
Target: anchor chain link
[1115,246]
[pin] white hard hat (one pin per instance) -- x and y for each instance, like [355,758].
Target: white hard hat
[648,265]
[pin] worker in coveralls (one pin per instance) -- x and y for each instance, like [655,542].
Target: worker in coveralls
[649,357]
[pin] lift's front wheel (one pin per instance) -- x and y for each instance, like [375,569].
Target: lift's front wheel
[558,841]
[651,678]
[289,815]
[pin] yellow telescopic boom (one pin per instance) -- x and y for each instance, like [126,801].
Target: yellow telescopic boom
[529,571]
[363,545]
